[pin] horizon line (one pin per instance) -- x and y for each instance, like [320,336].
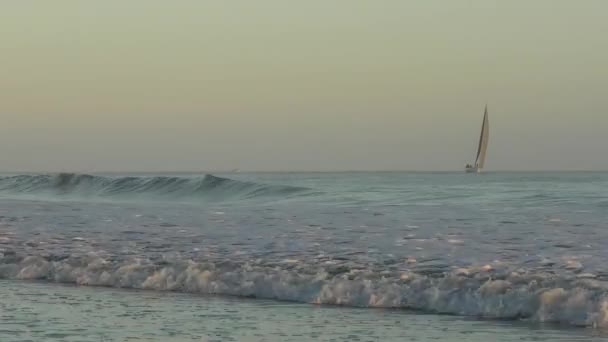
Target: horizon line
[219,171]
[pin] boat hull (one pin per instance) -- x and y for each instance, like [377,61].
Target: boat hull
[472,170]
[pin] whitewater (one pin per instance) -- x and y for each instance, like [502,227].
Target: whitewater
[499,246]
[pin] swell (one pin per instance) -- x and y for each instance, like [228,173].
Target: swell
[482,292]
[159,187]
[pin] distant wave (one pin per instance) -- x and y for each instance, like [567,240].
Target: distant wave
[489,293]
[153,187]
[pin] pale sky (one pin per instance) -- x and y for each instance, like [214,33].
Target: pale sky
[150,85]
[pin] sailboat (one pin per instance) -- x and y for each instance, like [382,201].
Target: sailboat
[483,146]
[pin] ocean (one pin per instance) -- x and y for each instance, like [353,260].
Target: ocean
[370,256]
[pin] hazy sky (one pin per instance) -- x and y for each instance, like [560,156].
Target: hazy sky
[289,85]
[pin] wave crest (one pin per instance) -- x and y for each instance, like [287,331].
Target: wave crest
[84,185]
[531,295]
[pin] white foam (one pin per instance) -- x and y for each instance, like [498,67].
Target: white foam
[573,265]
[477,291]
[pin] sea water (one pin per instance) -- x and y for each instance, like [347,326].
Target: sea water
[304,256]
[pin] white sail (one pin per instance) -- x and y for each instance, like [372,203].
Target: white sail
[483,142]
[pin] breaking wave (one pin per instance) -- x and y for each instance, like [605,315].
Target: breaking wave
[487,292]
[153,187]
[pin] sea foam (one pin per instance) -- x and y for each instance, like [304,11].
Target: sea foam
[499,293]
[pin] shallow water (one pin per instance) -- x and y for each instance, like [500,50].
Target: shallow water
[517,246]
[40,312]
